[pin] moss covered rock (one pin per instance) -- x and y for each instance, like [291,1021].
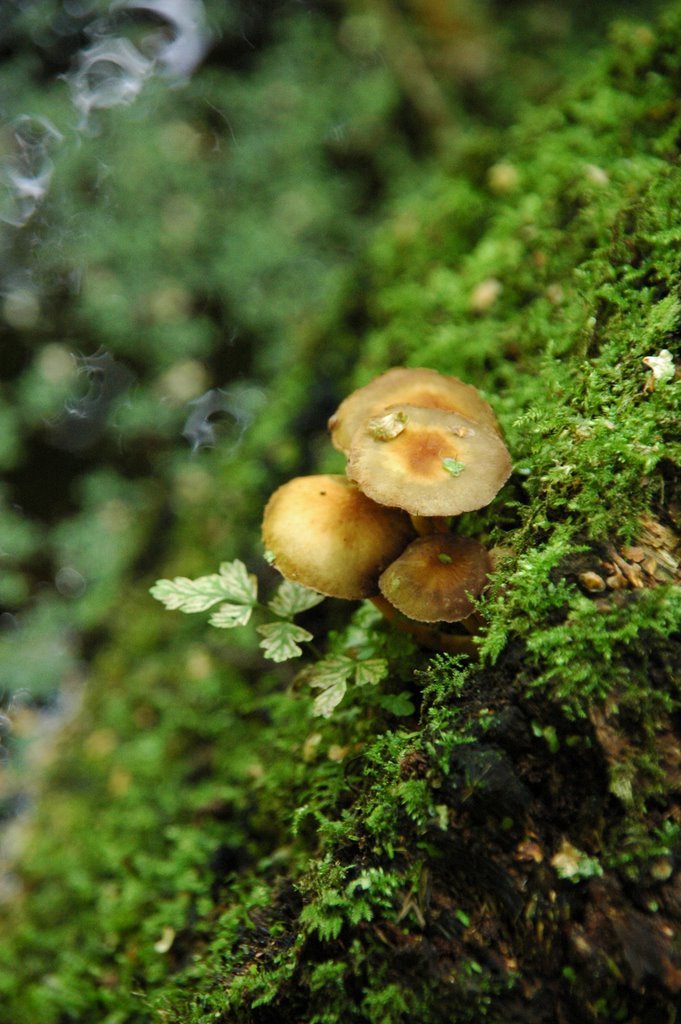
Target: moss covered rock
[460,841]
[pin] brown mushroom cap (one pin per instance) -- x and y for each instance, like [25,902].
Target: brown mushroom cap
[419,386]
[432,578]
[325,534]
[435,463]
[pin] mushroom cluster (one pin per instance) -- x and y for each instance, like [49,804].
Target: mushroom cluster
[421,447]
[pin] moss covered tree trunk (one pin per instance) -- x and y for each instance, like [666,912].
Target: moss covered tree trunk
[493,839]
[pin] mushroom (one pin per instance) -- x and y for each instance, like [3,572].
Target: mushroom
[428,461]
[327,535]
[436,578]
[419,386]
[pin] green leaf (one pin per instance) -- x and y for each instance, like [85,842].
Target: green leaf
[281,640]
[371,671]
[292,598]
[398,704]
[330,670]
[328,700]
[241,586]
[187,595]
[233,583]
[330,676]
[230,615]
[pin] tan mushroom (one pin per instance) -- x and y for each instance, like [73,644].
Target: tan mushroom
[436,578]
[325,534]
[418,386]
[428,461]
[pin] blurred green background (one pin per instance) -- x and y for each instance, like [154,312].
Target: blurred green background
[178,221]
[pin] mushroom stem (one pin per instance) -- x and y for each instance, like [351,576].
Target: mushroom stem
[425,525]
[424,633]
[473,623]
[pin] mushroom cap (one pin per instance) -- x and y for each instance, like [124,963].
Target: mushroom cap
[438,463]
[419,386]
[325,534]
[433,576]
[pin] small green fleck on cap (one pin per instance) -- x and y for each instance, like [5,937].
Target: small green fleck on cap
[445,559]
[453,467]
[385,428]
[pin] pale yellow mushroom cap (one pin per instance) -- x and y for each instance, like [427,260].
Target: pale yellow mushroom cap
[432,578]
[325,534]
[429,462]
[418,386]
